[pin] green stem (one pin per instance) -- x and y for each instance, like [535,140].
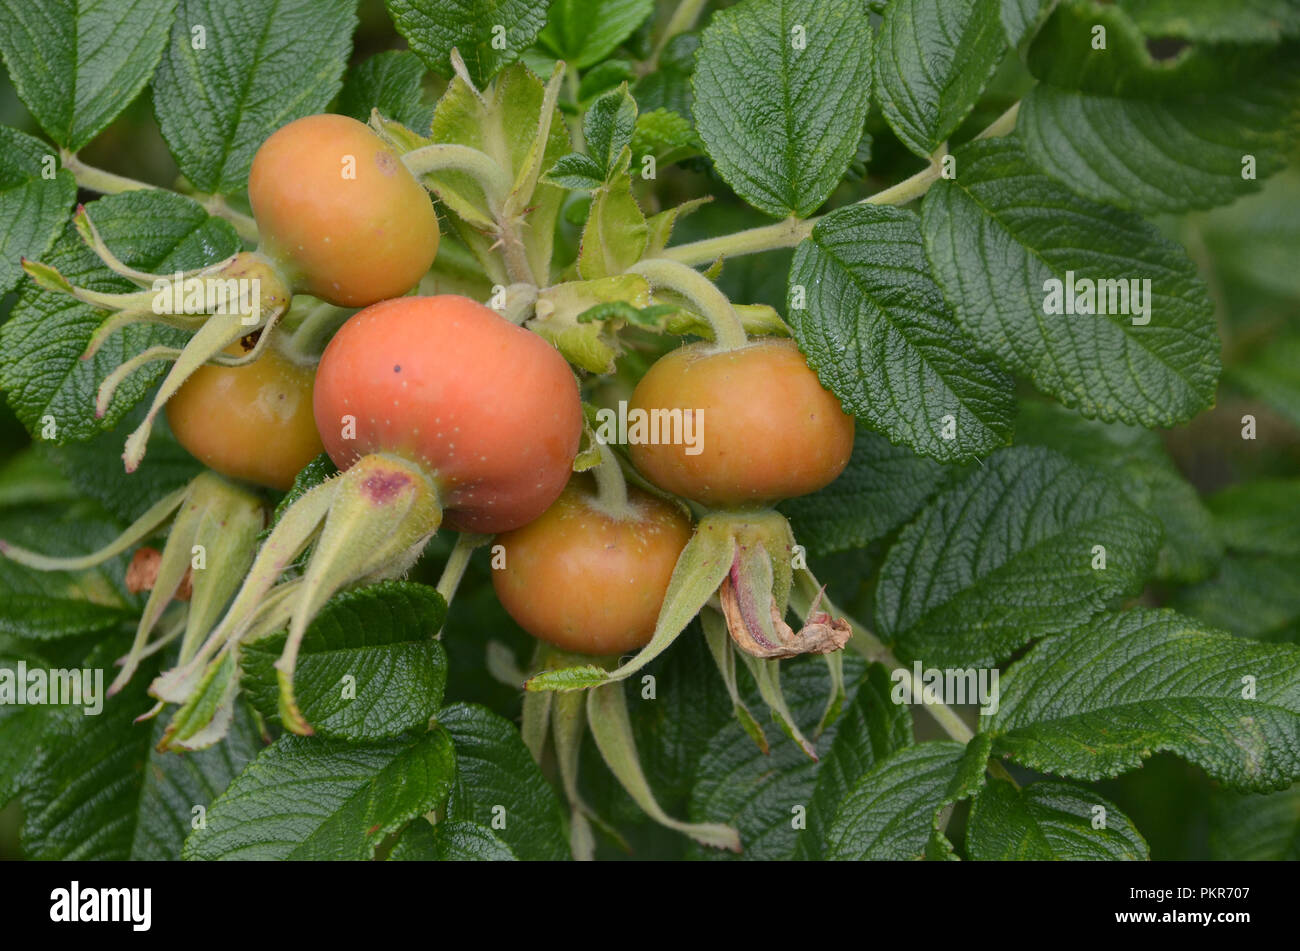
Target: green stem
[684,18]
[728,331]
[573,82]
[515,254]
[788,233]
[449,157]
[99,180]
[909,188]
[244,225]
[454,570]
[1004,124]
[305,343]
[1000,771]
[110,183]
[784,234]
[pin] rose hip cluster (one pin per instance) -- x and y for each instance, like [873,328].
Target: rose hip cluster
[439,411]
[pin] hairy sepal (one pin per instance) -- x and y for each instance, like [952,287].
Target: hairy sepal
[612,730]
[383,512]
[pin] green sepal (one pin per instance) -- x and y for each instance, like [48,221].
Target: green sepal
[383,512]
[767,675]
[724,655]
[700,568]
[612,730]
[592,345]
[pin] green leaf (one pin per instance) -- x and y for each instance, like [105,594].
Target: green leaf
[175,784]
[1096,702]
[33,207]
[584,32]
[1153,155]
[369,667]
[469,842]
[1007,556]
[52,604]
[29,478]
[1068,52]
[1022,18]
[572,316]
[782,89]
[883,486]
[608,127]
[41,344]
[1256,240]
[895,807]
[95,468]
[1000,231]
[1259,516]
[577,171]
[313,799]
[1185,123]
[1049,821]
[488,34]
[1253,827]
[674,729]
[415,843]
[263,63]
[504,127]
[393,83]
[669,86]
[619,310]
[933,58]
[95,789]
[449,841]
[757,793]
[666,135]
[1245,21]
[498,785]
[1254,596]
[82,782]
[1147,475]
[871,728]
[21,727]
[601,79]
[615,236]
[77,65]
[877,331]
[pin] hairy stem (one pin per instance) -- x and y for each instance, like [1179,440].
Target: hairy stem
[784,234]
[99,180]
[454,570]
[110,183]
[712,304]
[513,250]
[788,233]
[448,157]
